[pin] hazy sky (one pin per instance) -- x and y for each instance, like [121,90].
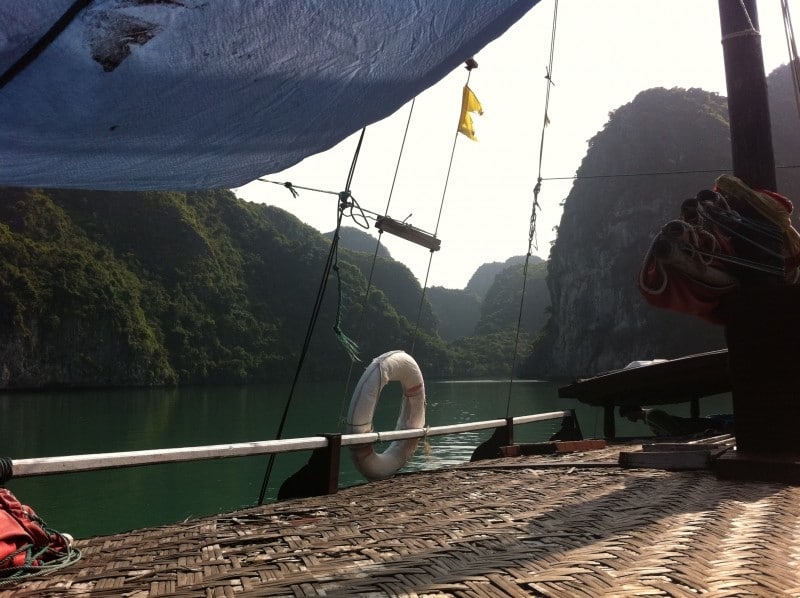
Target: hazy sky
[605,53]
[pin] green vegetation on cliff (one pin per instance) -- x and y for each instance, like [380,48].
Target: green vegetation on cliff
[115,289]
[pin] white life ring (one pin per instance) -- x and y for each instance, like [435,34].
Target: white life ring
[391,366]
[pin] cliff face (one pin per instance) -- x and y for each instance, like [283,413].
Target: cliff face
[599,319]
[67,319]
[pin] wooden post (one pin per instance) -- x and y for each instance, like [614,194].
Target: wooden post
[763,323]
[609,422]
[763,352]
[318,477]
[748,108]
[694,408]
[491,448]
[509,431]
[334,456]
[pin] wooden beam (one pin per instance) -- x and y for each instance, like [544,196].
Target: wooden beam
[670,460]
[674,381]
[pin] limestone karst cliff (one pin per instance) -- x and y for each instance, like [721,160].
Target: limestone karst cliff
[599,320]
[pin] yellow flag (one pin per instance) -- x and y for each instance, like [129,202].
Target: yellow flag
[469,103]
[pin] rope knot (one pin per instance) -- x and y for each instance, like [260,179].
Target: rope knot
[291,188]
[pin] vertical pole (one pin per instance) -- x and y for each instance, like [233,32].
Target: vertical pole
[762,320]
[509,431]
[748,107]
[609,423]
[492,447]
[334,455]
[694,408]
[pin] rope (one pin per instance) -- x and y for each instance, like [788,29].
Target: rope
[399,158]
[39,560]
[360,216]
[718,219]
[14,575]
[747,15]
[532,242]
[344,202]
[350,347]
[689,249]
[751,31]
[576,177]
[331,262]
[42,44]
[364,303]
[293,188]
[421,303]
[351,208]
[470,64]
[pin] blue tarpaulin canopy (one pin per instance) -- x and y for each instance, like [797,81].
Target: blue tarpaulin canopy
[193,94]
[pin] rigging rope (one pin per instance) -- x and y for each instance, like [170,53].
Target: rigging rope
[330,264]
[532,243]
[578,177]
[364,303]
[747,16]
[43,42]
[293,188]
[470,64]
[359,216]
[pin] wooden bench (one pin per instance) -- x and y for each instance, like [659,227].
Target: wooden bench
[685,379]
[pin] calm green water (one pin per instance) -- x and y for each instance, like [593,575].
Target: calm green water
[103,502]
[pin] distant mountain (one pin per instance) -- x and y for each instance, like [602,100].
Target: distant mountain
[501,337]
[457,311]
[483,278]
[500,309]
[462,313]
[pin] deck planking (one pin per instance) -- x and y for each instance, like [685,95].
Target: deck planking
[555,525]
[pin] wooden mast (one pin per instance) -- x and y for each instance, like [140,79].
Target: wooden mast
[748,107]
[763,322]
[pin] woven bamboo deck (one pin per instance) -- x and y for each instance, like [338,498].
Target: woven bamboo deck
[570,525]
